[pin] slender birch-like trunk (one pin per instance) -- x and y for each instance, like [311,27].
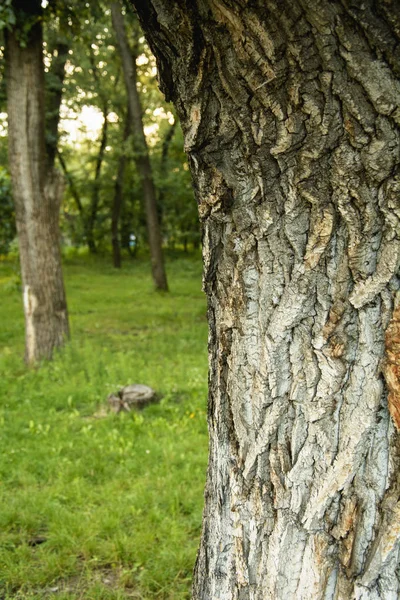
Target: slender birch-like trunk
[95,195]
[164,163]
[290,112]
[142,159]
[118,198]
[54,98]
[37,193]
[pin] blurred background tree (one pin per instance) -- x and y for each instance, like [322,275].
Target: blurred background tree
[93,146]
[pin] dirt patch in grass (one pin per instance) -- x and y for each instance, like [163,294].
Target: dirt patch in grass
[95,584]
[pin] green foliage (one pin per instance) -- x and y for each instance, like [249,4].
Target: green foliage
[7,15]
[96,505]
[7,221]
[94,78]
[179,209]
[23,18]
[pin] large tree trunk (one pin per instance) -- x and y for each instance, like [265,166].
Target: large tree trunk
[37,193]
[290,112]
[142,154]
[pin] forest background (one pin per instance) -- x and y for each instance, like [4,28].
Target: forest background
[97,505]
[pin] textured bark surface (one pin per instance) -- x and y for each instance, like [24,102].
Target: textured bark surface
[37,193]
[290,112]
[142,158]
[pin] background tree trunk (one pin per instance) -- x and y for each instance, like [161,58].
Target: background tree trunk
[118,198]
[290,113]
[164,166]
[53,99]
[95,196]
[163,185]
[72,186]
[142,155]
[37,193]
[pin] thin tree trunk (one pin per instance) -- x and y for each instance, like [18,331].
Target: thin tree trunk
[72,187]
[74,192]
[53,100]
[164,165]
[290,112]
[37,192]
[166,145]
[95,197]
[142,157]
[126,231]
[118,199]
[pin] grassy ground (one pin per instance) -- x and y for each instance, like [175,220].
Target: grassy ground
[95,505]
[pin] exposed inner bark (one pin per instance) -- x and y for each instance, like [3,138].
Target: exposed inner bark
[392,364]
[37,193]
[290,112]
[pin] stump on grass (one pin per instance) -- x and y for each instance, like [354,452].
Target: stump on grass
[131,396]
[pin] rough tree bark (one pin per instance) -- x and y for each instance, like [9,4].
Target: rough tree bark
[37,191]
[142,159]
[290,112]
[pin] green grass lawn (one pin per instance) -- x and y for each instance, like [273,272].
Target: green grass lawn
[95,505]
